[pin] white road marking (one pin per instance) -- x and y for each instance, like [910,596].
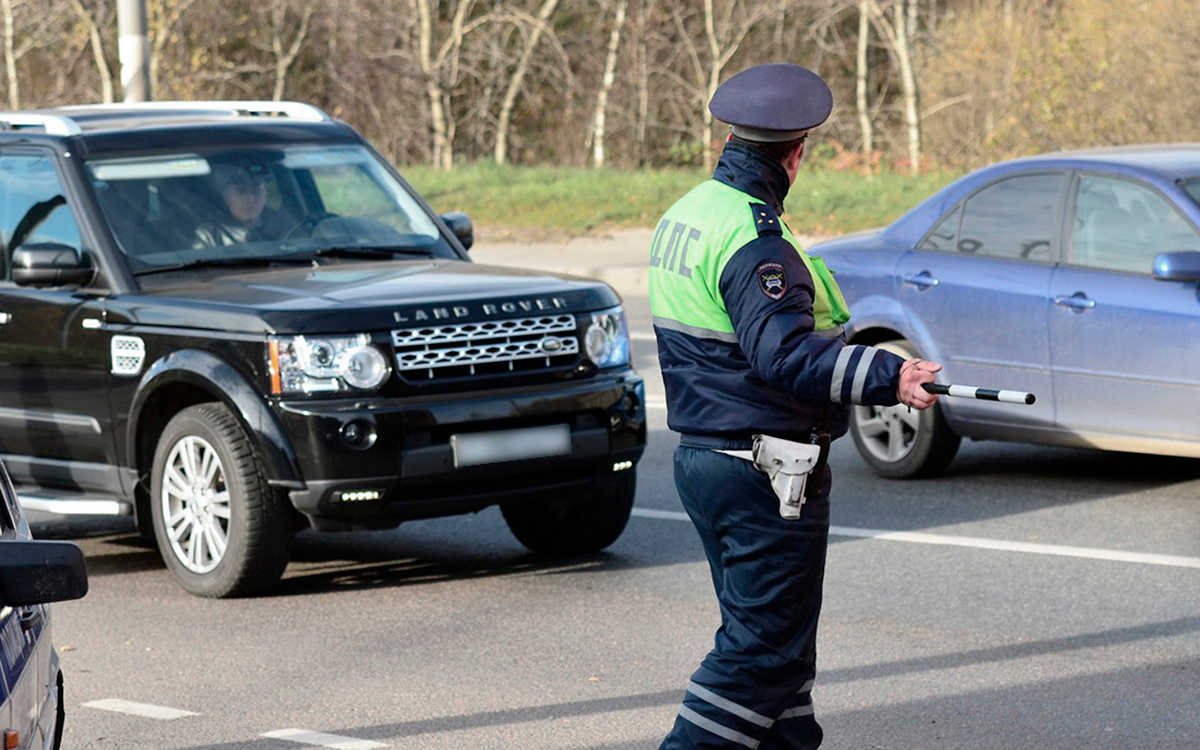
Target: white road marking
[656,402]
[139,709]
[912,537]
[320,739]
[637,336]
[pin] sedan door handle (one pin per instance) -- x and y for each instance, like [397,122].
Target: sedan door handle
[924,280]
[1077,301]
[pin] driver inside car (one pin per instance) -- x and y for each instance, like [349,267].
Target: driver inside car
[242,187]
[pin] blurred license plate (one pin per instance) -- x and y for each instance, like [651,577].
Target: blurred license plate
[473,449]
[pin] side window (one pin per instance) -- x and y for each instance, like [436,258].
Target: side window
[33,205]
[943,236]
[1121,225]
[1014,218]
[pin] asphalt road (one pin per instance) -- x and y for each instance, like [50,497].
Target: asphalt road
[1038,598]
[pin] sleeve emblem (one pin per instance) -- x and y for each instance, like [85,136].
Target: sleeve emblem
[771,279]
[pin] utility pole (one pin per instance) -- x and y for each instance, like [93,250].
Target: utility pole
[134,50]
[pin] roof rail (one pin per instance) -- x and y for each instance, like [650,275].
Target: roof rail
[259,108]
[52,124]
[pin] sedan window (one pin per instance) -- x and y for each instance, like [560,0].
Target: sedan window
[1121,226]
[1014,218]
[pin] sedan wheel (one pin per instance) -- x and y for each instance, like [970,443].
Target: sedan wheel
[900,443]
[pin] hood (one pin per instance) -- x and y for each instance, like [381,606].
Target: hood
[361,296]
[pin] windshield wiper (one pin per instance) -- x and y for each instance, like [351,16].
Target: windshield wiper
[369,251]
[228,262]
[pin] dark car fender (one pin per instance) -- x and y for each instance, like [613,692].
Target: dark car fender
[204,372]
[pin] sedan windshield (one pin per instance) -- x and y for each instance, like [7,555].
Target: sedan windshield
[287,204]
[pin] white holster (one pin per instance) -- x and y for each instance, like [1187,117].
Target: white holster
[787,464]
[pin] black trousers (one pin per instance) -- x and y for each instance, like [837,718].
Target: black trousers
[753,690]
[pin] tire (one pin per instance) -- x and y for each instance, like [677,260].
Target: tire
[899,443]
[221,529]
[577,527]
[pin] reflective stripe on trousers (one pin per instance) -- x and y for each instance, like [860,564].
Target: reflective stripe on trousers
[753,690]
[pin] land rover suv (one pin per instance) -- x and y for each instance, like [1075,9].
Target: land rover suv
[327,357]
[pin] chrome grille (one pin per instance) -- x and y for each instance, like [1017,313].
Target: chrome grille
[492,347]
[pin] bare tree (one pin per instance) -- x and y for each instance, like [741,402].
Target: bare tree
[726,24]
[537,26]
[434,60]
[861,76]
[898,34]
[97,44]
[606,84]
[279,27]
[163,20]
[11,55]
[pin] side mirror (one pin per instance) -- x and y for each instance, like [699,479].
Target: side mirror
[1182,265]
[50,264]
[40,572]
[460,225]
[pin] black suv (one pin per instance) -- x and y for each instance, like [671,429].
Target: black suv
[237,320]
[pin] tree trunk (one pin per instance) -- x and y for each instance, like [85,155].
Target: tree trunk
[860,79]
[284,59]
[97,44]
[606,83]
[908,83]
[10,56]
[161,37]
[897,35]
[441,119]
[518,77]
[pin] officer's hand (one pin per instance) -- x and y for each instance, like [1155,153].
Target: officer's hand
[913,374]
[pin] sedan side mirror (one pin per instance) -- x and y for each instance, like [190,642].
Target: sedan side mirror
[50,264]
[460,225]
[40,572]
[1182,265]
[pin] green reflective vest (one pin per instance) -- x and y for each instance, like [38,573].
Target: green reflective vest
[696,239]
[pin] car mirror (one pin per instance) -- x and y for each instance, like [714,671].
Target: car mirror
[50,264]
[40,572]
[1182,265]
[460,225]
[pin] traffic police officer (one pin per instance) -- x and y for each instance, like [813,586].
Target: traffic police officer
[750,344]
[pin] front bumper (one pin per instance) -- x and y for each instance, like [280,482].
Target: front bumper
[373,463]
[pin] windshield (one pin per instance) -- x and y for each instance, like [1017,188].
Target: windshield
[288,203]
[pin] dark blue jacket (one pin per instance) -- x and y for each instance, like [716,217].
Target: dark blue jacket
[733,305]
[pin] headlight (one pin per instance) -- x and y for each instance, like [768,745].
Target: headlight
[607,339]
[325,364]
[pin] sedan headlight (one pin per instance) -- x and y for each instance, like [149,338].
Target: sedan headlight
[606,340]
[325,364]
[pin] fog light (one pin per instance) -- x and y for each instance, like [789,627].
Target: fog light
[622,465]
[359,434]
[358,496]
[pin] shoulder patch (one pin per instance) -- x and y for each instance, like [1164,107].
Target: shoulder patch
[772,279]
[765,219]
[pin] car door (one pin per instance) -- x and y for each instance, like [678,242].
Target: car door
[53,357]
[22,665]
[1125,360]
[976,289]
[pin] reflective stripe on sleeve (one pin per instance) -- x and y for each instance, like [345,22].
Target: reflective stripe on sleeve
[860,375]
[669,324]
[839,372]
